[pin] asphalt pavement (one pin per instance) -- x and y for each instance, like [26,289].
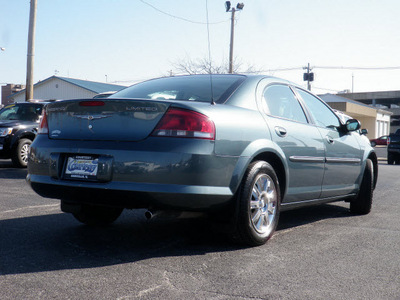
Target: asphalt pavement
[381,152]
[320,252]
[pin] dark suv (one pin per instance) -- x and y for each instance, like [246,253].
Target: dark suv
[18,128]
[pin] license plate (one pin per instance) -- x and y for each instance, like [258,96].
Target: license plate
[81,168]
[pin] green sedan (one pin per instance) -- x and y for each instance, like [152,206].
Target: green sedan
[239,148]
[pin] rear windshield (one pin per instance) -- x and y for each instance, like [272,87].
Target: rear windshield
[21,112]
[187,88]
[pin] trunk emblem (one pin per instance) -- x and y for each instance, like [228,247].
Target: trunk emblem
[91,117]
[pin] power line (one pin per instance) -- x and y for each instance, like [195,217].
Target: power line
[335,68]
[275,70]
[356,68]
[325,89]
[180,18]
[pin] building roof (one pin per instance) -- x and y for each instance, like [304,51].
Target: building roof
[93,86]
[97,87]
[330,98]
[374,95]
[334,98]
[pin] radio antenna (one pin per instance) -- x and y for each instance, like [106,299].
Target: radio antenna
[209,56]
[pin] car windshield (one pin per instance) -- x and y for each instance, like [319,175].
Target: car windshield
[187,88]
[22,112]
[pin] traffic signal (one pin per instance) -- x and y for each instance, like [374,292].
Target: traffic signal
[308,76]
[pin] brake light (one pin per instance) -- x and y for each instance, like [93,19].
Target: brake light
[43,127]
[388,141]
[185,124]
[91,103]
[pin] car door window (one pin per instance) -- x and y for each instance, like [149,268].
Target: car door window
[320,112]
[281,102]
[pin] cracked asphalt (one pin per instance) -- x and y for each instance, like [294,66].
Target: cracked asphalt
[320,252]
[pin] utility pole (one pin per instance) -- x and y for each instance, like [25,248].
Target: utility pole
[309,76]
[31,51]
[231,43]
[239,6]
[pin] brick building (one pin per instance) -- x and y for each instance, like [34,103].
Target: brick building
[7,90]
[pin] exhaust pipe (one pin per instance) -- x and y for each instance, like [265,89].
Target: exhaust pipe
[149,214]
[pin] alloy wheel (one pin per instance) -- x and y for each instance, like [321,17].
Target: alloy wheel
[263,204]
[24,152]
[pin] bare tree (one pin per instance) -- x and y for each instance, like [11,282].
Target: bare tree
[205,66]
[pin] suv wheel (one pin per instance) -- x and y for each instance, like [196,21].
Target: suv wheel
[20,156]
[390,159]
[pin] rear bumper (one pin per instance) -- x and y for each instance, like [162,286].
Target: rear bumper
[134,195]
[136,174]
[393,150]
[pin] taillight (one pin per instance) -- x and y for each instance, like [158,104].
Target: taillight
[388,141]
[43,127]
[185,124]
[91,103]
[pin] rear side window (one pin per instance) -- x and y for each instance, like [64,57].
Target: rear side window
[320,112]
[281,102]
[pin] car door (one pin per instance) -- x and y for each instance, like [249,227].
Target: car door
[299,140]
[342,150]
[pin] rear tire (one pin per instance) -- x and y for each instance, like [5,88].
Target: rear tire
[20,155]
[97,215]
[373,144]
[259,205]
[362,204]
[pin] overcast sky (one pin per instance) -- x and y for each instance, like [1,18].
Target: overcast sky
[124,41]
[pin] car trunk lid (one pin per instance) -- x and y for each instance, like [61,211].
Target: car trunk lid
[111,119]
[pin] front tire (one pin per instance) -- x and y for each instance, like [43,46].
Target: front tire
[259,204]
[20,155]
[362,204]
[94,215]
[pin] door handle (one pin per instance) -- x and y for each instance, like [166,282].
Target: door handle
[329,139]
[280,131]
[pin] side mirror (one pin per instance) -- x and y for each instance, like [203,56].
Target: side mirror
[352,125]
[364,131]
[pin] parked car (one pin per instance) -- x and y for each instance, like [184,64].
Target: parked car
[393,148]
[383,140]
[241,148]
[18,127]
[104,95]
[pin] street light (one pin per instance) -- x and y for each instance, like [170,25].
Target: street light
[228,8]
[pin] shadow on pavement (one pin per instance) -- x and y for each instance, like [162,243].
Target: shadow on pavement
[58,242]
[7,170]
